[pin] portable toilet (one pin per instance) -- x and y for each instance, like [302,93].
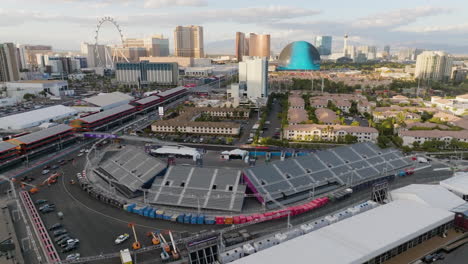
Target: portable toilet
[242,219]
[168,215]
[194,219]
[210,220]
[228,220]
[201,219]
[130,207]
[187,218]
[174,217]
[180,218]
[219,220]
[159,214]
[152,213]
[236,220]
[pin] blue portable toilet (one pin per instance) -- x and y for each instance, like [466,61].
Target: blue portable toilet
[187,218]
[210,220]
[194,219]
[130,207]
[151,213]
[180,218]
[201,219]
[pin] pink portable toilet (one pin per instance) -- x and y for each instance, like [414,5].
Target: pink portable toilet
[249,218]
[219,220]
[236,220]
[242,219]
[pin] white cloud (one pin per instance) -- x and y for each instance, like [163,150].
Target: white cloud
[455,29]
[399,17]
[170,3]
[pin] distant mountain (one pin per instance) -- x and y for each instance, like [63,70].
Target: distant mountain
[227,47]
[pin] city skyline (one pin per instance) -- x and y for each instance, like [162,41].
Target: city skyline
[424,24]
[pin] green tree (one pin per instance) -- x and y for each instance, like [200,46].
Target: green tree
[355,123]
[383,141]
[350,139]
[353,109]
[28,96]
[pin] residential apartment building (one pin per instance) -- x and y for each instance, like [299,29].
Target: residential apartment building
[326,116]
[296,102]
[185,122]
[433,65]
[457,106]
[147,72]
[410,137]
[297,116]
[28,53]
[9,63]
[342,102]
[203,128]
[314,132]
[155,46]
[188,41]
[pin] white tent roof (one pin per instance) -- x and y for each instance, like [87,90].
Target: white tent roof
[458,183]
[30,118]
[104,99]
[429,195]
[239,152]
[176,151]
[356,239]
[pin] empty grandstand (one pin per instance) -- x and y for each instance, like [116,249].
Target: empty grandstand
[298,178]
[130,170]
[207,188]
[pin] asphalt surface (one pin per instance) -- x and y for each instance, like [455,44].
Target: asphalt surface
[97,224]
[458,256]
[275,122]
[94,223]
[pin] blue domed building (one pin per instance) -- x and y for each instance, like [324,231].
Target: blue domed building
[299,56]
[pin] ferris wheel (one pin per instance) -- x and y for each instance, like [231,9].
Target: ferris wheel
[105,57]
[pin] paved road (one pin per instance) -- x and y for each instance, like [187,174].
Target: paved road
[275,122]
[97,224]
[458,256]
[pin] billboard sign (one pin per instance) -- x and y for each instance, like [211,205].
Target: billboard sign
[96,135]
[161,111]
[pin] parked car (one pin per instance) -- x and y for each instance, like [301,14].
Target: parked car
[48,210]
[59,238]
[68,242]
[60,232]
[40,201]
[46,167]
[73,256]
[120,239]
[69,248]
[65,237]
[55,226]
[81,154]
[44,172]
[62,162]
[55,166]
[46,206]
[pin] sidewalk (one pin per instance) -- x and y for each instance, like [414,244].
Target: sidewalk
[7,232]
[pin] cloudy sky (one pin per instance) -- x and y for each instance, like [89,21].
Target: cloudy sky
[430,24]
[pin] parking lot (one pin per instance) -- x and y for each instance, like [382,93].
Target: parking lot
[94,223]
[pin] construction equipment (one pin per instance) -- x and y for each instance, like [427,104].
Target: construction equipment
[154,239]
[175,254]
[34,189]
[52,179]
[136,245]
[125,256]
[165,246]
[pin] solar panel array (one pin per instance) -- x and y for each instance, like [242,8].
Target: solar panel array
[323,171]
[195,187]
[132,168]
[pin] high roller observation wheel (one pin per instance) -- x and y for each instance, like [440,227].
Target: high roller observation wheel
[107,19]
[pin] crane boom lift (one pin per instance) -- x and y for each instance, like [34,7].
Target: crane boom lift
[175,254]
[136,245]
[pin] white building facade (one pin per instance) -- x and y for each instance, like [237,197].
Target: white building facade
[254,73]
[51,87]
[433,65]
